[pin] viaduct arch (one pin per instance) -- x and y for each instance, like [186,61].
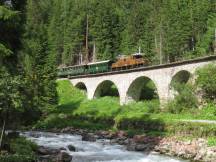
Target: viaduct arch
[130,82]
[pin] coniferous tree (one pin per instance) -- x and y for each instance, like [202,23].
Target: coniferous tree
[11,97]
[39,64]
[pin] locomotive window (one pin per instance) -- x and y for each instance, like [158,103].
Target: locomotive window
[138,56]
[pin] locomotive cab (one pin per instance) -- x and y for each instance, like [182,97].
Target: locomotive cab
[137,56]
[127,62]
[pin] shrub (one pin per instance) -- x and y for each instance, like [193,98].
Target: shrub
[208,111]
[17,158]
[21,150]
[184,99]
[22,146]
[206,80]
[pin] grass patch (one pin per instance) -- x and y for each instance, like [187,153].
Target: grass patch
[211,141]
[103,108]
[106,113]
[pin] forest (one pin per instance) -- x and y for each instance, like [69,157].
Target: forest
[165,31]
[37,36]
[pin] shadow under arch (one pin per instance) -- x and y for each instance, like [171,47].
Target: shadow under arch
[106,88]
[181,77]
[142,88]
[81,86]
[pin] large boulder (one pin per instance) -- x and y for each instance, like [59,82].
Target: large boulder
[71,148]
[64,157]
[47,151]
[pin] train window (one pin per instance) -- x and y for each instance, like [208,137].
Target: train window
[137,56]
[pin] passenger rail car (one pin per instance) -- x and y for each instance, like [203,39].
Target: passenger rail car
[122,62]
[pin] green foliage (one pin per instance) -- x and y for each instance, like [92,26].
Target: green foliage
[10,96]
[195,129]
[185,99]
[75,110]
[22,150]
[104,108]
[206,79]
[208,111]
[211,141]
[11,99]
[16,158]
[62,120]
[137,110]
[148,91]
[7,14]
[38,63]
[204,45]
[4,51]
[105,113]
[21,146]
[67,94]
[123,26]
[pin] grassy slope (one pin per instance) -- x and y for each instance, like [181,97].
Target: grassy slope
[106,113]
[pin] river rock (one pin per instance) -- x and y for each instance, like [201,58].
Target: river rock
[139,138]
[62,148]
[131,146]
[47,151]
[71,148]
[64,157]
[142,147]
[102,134]
[88,137]
[68,130]
[45,158]
[121,134]
[113,141]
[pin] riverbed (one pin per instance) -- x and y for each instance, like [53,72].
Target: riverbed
[100,151]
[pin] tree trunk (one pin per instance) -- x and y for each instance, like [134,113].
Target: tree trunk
[2,134]
[156,46]
[161,57]
[215,43]
[87,51]
[94,53]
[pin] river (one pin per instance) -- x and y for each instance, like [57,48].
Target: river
[99,151]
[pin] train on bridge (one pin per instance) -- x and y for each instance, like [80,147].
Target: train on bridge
[121,63]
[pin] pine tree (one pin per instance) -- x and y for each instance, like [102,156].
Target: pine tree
[39,64]
[11,97]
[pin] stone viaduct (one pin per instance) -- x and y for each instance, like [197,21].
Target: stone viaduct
[129,82]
